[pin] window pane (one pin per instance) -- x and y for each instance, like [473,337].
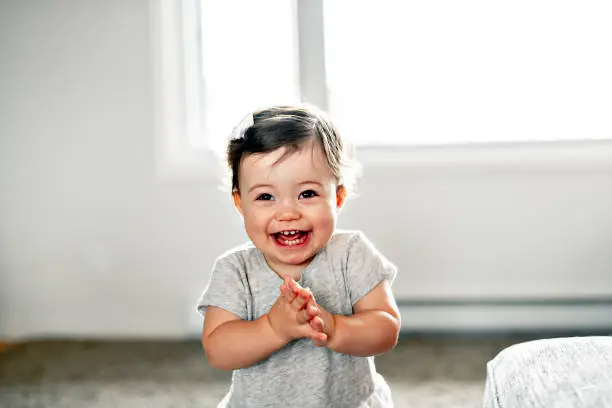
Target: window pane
[248,58]
[444,71]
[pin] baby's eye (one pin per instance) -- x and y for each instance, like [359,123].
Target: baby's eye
[308,194]
[264,197]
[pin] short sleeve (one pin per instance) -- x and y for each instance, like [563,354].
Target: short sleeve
[366,267]
[225,289]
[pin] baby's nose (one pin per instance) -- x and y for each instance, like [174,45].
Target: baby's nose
[287,211]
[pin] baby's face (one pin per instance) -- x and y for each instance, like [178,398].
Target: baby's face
[289,205]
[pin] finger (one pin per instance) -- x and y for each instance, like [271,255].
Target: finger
[293,285]
[302,299]
[315,336]
[287,280]
[312,311]
[319,342]
[312,308]
[302,316]
[316,323]
[287,293]
[319,339]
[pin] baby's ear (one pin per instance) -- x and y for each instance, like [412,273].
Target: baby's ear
[237,202]
[341,194]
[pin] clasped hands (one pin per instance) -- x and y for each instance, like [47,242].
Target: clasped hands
[295,314]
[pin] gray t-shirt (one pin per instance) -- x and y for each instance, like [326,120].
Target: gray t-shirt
[301,374]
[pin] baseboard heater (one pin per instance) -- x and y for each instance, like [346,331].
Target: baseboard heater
[572,314]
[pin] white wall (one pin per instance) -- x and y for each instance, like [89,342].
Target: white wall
[93,243]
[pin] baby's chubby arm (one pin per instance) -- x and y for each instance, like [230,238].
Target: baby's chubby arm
[232,343]
[372,329]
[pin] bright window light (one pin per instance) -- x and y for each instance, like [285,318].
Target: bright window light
[248,60]
[444,71]
[391,73]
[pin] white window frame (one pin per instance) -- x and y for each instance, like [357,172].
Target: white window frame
[311,52]
[175,60]
[179,91]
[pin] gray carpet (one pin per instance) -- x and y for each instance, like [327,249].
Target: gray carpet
[69,374]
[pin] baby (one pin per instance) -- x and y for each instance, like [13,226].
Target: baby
[300,311]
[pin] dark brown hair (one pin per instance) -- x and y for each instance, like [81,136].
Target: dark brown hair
[291,127]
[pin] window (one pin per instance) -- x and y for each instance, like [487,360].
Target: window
[392,73]
[248,59]
[216,61]
[444,71]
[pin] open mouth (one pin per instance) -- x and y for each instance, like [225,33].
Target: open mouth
[292,238]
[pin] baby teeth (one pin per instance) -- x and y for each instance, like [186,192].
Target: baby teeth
[295,241]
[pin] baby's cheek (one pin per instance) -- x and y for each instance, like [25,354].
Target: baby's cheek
[327,217]
[256,220]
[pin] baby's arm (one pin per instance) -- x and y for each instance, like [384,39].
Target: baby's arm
[372,329]
[231,343]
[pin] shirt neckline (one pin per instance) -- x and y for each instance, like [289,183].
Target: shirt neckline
[315,260]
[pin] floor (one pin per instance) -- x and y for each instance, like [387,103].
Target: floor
[422,372]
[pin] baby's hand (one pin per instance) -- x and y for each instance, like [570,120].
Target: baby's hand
[290,315]
[303,300]
[317,324]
